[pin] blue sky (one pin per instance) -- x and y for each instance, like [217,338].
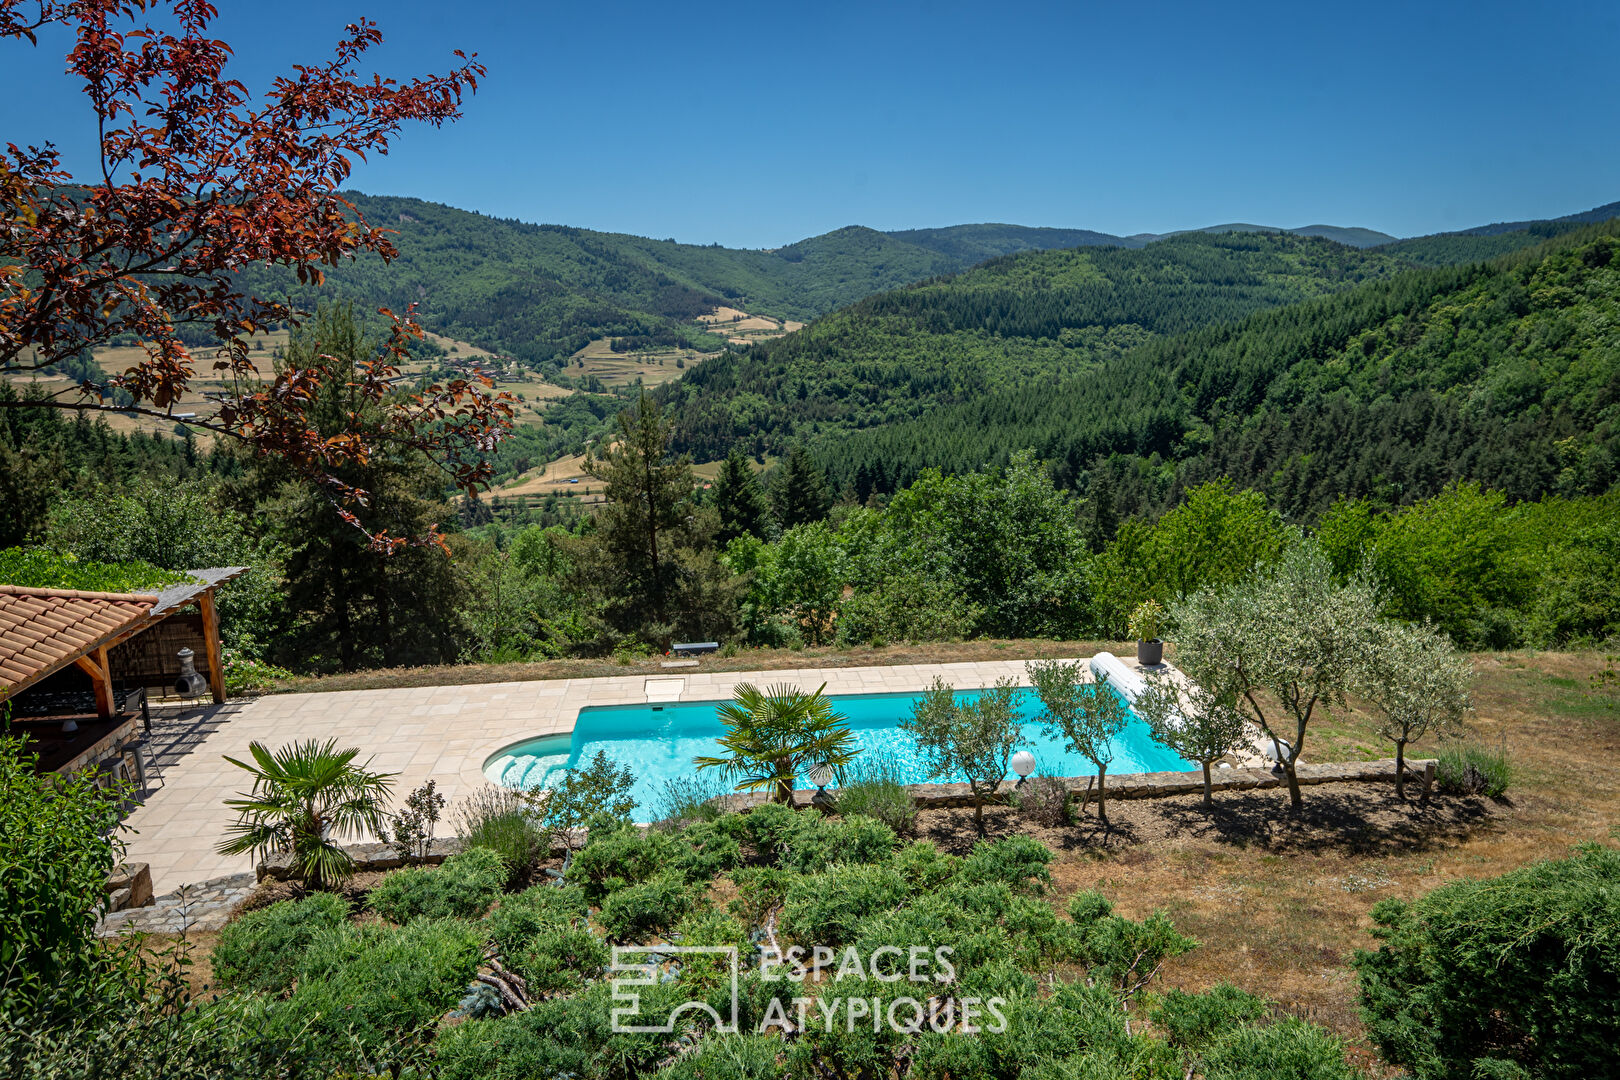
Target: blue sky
[756,125]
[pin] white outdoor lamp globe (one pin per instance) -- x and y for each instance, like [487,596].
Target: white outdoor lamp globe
[821,775]
[1023,763]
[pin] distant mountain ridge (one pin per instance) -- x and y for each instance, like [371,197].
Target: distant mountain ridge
[1350,236]
[542,292]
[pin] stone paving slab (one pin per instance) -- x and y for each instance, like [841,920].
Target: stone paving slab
[445,732]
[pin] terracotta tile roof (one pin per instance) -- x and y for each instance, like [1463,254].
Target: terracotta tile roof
[44,629]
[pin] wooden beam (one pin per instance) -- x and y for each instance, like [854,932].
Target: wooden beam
[96,666]
[216,660]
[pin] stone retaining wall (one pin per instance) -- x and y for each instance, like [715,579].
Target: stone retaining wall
[1142,785]
[367,858]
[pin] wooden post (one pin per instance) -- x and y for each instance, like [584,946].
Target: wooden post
[216,662]
[96,666]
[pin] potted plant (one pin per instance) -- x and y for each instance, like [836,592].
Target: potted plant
[1144,627]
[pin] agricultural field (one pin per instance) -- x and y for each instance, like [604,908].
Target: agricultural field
[740,328]
[619,369]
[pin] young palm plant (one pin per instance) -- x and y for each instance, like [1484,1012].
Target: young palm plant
[777,733]
[306,796]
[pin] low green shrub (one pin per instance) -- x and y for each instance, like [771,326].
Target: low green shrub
[535,910]
[1118,951]
[703,850]
[547,1040]
[615,857]
[1290,1049]
[1018,861]
[827,908]
[560,959]
[1518,972]
[618,856]
[370,990]
[464,887]
[759,888]
[924,866]
[635,912]
[875,790]
[507,823]
[765,829]
[1471,769]
[1193,1021]
[260,951]
[818,842]
[741,1056]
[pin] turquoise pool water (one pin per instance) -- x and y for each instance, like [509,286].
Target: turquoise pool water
[658,742]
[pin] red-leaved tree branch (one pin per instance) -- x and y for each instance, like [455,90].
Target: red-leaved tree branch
[198,179]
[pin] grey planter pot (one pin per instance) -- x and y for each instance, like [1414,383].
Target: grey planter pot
[1150,653]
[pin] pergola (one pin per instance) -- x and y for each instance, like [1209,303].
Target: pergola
[54,640]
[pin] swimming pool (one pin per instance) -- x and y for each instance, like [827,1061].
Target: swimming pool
[659,741]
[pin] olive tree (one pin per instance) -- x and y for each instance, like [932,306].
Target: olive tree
[1289,640]
[972,740]
[1201,723]
[1418,682]
[1088,716]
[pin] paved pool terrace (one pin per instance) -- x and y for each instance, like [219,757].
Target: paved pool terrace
[445,733]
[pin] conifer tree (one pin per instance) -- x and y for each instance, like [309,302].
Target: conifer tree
[647,496]
[740,500]
[800,494]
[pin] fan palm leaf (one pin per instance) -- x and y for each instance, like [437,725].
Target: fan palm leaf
[774,734]
[306,796]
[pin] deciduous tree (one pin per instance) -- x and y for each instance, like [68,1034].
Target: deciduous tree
[1419,683]
[1290,640]
[972,740]
[1201,723]
[198,179]
[1087,715]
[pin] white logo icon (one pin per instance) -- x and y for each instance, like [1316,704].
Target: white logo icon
[646,973]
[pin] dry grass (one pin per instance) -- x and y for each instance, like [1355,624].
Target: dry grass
[938,652]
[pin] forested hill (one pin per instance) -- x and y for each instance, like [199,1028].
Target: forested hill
[1506,372]
[540,292]
[1350,236]
[1030,319]
[969,244]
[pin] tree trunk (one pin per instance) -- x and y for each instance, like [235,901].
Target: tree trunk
[1102,807]
[978,812]
[1209,797]
[784,790]
[1400,768]
[1295,803]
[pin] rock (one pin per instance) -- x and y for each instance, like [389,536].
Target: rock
[134,882]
